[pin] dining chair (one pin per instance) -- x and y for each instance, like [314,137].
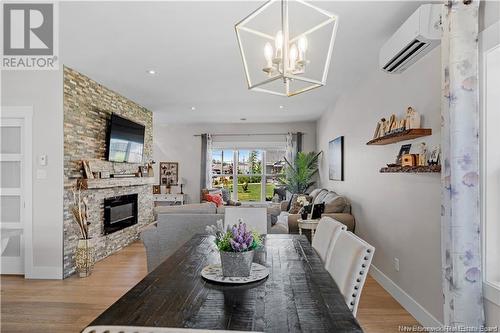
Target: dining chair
[144,329]
[326,235]
[254,218]
[348,265]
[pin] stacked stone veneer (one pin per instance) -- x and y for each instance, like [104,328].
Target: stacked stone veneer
[87,109]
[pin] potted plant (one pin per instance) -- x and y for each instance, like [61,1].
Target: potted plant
[84,254]
[299,176]
[236,247]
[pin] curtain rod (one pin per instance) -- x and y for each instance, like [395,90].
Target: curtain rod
[248,134]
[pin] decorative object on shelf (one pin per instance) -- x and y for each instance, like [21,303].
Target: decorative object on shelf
[87,173]
[285,57]
[84,254]
[422,156]
[336,159]
[169,173]
[405,149]
[236,247]
[409,160]
[299,177]
[182,182]
[150,169]
[435,157]
[412,118]
[156,189]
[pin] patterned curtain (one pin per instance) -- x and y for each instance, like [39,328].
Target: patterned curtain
[208,169]
[460,216]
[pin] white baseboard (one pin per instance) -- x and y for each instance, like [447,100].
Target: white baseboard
[45,272]
[413,307]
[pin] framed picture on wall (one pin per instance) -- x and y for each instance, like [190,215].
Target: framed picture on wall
[336,159]
[169,173]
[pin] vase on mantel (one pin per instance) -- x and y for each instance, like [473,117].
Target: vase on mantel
[84,257]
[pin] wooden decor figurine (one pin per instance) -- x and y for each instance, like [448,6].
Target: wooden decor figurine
[412,118]
[422,157]
[408,160]
[393,123]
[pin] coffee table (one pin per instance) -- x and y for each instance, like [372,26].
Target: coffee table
[308,225]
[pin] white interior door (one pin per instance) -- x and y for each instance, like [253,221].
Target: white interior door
[13,191]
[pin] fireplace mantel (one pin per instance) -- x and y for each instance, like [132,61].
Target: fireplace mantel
[100,183]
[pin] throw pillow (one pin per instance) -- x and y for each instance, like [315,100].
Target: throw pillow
[336,205]
[226,197]
[215,198]
[318,210]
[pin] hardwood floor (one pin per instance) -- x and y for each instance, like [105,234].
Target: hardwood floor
[71,304]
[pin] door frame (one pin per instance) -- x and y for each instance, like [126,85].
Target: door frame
[26,114]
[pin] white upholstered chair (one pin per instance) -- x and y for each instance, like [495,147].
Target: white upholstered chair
[326,235]
[254,218]
[348,265]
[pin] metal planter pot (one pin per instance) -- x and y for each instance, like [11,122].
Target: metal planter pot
[236,264]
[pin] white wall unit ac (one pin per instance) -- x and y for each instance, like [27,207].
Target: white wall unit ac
[416,37]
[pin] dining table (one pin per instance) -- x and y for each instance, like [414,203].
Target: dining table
[298,295]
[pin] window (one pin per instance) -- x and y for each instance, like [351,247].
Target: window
[254,173]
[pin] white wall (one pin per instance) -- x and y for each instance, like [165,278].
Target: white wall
[177,143]
[43,91]
[397,213]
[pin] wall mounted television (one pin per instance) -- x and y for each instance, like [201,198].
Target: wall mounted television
[125,140]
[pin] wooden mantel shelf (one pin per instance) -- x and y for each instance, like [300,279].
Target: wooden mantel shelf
[99,183]
[401,136]
[412,169]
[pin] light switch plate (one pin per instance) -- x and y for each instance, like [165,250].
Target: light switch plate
[42,160]
[41,174]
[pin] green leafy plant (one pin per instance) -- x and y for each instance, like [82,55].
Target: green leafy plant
[299,176]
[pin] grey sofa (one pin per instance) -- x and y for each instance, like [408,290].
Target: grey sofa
[336,207]
[175,225]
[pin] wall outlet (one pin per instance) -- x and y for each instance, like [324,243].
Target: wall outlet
[396,264]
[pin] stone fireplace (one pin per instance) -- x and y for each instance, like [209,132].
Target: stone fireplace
[88,106]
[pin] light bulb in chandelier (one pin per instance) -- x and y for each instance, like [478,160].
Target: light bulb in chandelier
[278,44]
[302,43]
[268,54]
[294,53]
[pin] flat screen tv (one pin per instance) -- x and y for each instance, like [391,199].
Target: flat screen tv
[125,140]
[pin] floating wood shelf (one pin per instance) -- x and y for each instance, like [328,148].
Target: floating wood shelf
[401,136]
[99,183]
[412,169]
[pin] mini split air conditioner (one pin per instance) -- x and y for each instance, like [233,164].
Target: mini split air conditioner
[415,38]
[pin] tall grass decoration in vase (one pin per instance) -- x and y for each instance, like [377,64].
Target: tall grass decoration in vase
[84,254]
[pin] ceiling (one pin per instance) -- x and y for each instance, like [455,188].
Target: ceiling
[192,46]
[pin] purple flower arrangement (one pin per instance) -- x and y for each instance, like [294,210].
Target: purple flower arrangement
[236,239]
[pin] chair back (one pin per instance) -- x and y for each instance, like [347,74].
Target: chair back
[326,235]
[348,265]
[254,218]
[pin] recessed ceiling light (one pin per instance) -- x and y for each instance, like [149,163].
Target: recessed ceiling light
[151,72]
[243,119]
[281,106]
[193,108]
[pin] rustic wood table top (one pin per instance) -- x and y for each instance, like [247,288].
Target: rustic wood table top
[298,296]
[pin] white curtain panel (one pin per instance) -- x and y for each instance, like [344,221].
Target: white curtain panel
[290,156]
[208,170]
[460,216]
